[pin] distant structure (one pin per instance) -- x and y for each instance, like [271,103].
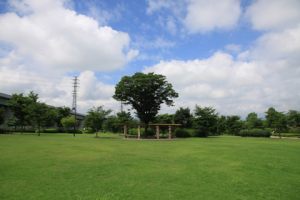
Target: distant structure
[74,103]
[4,98]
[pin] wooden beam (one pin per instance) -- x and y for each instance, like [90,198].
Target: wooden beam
[157,132]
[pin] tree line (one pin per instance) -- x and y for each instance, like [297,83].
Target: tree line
[145,93]
[29,114]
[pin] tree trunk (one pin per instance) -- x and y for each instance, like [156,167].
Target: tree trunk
[39,130]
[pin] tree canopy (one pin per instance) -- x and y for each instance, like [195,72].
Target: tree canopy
[145,93]
[205,121]
[95,118]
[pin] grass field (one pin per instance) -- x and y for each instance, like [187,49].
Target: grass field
[58,166]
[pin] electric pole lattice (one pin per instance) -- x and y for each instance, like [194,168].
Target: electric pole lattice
[74,104]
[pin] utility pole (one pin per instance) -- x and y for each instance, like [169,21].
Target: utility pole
[74,104]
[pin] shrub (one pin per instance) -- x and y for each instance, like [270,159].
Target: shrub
[51,130]
[134,131]
[183,133]
[255,133]
[88,130]
[294,130]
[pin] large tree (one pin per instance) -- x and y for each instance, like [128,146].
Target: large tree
[145,93]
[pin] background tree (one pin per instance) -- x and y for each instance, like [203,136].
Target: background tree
[124,117]
[2,119]
[221,125]
[39,114]
[68,123]
[252,121]
[164,119]
[111,124]
[20,106]
[61,112]
[293,118]
[205,121]
[184,117]
[234,124]
[145,93]
[1,116]
[95,118]
[276,120]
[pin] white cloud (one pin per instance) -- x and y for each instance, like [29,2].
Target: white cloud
[198,16]
[275,14]
[284,44]
[234,48]
[155,5]
[266,74]
[53,36]
[231,85]
[43,41]
[203,16]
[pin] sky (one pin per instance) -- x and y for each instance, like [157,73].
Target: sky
[238,56]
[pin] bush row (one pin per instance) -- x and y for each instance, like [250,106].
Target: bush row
[254,133]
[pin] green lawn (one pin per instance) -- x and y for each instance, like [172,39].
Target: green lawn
[58,166]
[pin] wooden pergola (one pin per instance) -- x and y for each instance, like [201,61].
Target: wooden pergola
[157,128]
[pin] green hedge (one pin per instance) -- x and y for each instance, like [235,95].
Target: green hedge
[255,133]
[134,131]
[184,133]
[295,130]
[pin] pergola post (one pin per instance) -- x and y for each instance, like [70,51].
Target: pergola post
[170,132]
[125,131]
[139,131]
[157,132]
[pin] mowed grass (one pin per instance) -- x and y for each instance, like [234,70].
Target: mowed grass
[58,166]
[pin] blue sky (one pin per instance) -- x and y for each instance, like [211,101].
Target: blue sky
[238,56]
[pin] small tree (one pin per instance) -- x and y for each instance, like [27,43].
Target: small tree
[61,112]
[252,121]
[293,118]
[276,120]
[68,122]
[205,121]
[39,114]
[124,117]
[221,125]
[233,124]
[145,93]
[184,117]
[18,104]
[95,118]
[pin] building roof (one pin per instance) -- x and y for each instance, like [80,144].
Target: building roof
[5,96]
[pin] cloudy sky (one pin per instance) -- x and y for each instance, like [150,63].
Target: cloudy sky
[238,56]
